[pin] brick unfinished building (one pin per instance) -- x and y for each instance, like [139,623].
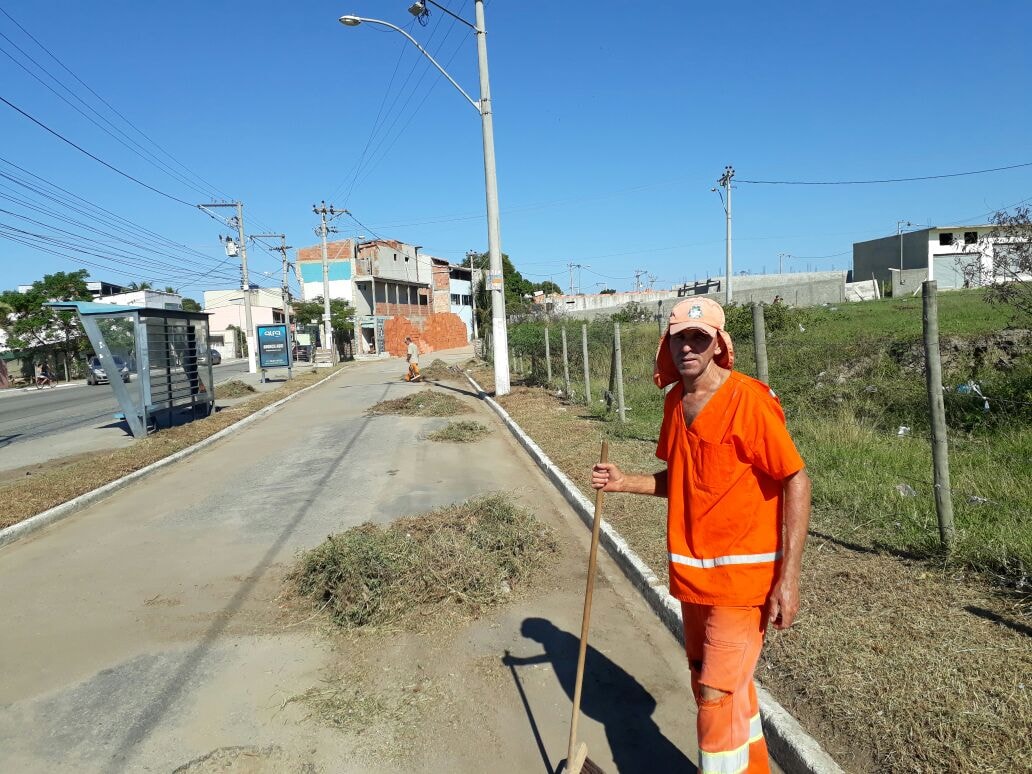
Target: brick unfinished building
[396,292]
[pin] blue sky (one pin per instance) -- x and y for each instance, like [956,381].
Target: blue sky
[613,121]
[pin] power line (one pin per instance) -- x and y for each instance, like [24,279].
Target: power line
[104,101]
[138,150]
[887,180]
[95,158]
[107,217]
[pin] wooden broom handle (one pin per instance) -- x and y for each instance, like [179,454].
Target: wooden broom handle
[586,619]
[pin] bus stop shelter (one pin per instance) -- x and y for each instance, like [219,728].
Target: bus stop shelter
[170,350]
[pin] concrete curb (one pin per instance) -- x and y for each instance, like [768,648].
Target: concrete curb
[58,512]
[795,751]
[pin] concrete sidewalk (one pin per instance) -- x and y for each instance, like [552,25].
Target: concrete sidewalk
[144,633]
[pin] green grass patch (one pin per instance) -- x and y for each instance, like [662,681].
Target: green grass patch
[460,432]
[849,376]
[462,559]
[425,403]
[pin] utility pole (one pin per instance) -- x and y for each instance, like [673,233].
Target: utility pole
[238,222]
[638,273]
[285,290]
[471,255]
[322,211]
[725,182]
[578,267]
[781,262]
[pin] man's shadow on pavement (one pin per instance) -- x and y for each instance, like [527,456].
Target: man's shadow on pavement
[610,696]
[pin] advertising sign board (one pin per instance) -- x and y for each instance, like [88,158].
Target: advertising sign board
[273,346]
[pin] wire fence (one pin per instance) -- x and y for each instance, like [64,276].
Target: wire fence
[606,365]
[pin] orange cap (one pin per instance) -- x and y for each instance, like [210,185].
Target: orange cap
[702,313]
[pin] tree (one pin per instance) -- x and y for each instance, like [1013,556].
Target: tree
[31,324]
[1010,246]
[139,286]
[607,292]
[517,288]
[342,318]
[550,288]
[189,305]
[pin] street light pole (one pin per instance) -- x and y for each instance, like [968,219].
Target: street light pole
[494,235]
[496,287]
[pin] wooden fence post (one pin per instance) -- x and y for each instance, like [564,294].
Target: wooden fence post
[548,360]
[587,370]
[566,366]
[759,328]
[937,412]
[618,360]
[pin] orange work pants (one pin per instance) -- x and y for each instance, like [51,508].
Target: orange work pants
[723,645]
[413,372]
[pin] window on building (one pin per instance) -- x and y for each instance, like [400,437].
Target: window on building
[946,238]
[971,237]
[217,341]
[406,259]
[395,256]
[423,300]
[456,299]
[467,301]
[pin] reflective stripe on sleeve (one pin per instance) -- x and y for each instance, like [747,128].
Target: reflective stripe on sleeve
[731,761]
[721,561]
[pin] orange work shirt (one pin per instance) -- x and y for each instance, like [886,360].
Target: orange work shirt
[725,492]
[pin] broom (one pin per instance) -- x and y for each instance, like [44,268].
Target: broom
[577,760]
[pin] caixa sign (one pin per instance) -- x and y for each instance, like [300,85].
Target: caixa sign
[273,351]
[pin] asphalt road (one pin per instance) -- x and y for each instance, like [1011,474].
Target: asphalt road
[35,414]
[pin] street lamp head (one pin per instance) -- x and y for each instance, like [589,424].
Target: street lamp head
[417,9]
[350,21]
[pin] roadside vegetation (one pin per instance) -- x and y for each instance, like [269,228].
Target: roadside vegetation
[903,659]
[37,492]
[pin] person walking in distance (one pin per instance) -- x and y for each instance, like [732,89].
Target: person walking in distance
[412,356]
[738,509]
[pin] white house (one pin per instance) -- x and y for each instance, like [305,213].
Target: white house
[226,308]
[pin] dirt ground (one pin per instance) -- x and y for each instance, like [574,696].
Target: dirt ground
[894,665]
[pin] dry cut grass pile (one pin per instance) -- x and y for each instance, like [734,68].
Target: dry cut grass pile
[425,403]
[439,370]
[463,431]
[234,389]
[454,561]
[39,492]
[893,665]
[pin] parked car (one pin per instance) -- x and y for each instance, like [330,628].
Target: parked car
[213,356]
[95,371]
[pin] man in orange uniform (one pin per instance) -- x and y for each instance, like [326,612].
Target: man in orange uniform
[738,510]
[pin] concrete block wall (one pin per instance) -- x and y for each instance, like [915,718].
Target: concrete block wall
[438,331]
